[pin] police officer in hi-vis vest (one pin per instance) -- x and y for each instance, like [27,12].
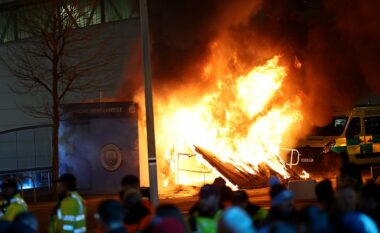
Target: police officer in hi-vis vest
[12,203]
[206,213]
[69,214]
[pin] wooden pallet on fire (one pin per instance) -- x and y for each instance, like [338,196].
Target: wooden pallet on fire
[243,179]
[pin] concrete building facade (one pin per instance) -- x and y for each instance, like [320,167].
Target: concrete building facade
[24,139]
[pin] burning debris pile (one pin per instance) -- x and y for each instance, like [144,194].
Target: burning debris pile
[243,121]
[244,78]
[241,178]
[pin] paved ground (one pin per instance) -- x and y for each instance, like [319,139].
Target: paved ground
[43,209]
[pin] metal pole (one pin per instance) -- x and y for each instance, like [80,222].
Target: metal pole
[144,24]
[177,169]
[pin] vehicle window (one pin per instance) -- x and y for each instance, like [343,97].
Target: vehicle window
[353,127]
[372,125]
[334,128]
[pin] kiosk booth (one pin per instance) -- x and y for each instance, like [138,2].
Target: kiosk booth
[98,143]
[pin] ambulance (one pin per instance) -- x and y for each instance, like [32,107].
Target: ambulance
[361,137]
[354,137]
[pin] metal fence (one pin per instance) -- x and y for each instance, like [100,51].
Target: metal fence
[26,155]
[30,179]
[25,148]
[190,167]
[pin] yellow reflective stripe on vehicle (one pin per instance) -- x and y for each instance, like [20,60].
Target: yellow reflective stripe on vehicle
[67,227]
[80,230]
[376,147]
[353,149]
[340,142]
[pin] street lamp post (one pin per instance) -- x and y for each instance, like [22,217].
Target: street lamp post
[144,24]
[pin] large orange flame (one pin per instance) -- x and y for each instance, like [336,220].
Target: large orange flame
[241,121]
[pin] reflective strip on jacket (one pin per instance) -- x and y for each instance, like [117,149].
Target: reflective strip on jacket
[16,205]
[70,216]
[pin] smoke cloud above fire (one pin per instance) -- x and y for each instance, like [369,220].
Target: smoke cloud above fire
[336,41]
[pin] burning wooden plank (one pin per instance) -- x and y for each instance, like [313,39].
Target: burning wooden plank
[242,179]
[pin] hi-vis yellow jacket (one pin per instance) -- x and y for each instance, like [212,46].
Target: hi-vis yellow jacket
[70,216]
[11,208]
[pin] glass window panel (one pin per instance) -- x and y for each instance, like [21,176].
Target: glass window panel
[89,13]
[120,9]
[372,125]
[334,128]
[353,127]
[13,24]
[7,25]
[24,18]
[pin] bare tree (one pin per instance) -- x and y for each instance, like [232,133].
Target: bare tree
[57,57]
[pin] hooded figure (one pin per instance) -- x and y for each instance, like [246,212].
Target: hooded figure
[110,217]
[205,214]
[258,214]
[235,220]
[168,225]
[282,206]
[356,222]
[25,222]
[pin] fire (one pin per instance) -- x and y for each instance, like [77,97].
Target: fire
[305,175]
[244,119]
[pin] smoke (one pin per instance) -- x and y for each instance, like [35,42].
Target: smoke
[182,33]
[337,42]
[338,70]
[184,30]
[358,23]
[133,74]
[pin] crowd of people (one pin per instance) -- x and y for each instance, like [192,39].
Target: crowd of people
[352,207]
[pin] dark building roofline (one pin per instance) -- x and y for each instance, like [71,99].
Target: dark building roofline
[17,3]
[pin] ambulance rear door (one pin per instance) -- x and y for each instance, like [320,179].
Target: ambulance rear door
[370,151]
[354,139]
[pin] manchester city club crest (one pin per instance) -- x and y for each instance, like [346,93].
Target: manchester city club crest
[111,157]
